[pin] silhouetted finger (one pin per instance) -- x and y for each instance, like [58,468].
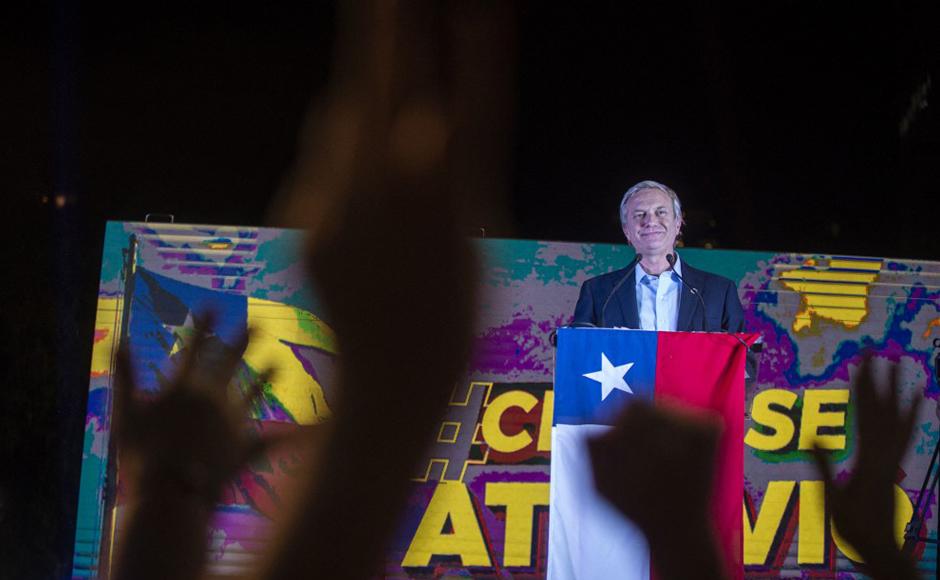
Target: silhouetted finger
[203,324]
[894,381]
[866,399]
[599,453]
[908,419]
[219,377]
[256,390]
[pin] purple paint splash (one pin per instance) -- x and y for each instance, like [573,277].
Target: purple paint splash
[778,355]
[520,346]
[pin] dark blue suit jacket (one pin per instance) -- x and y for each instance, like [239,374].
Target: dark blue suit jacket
[722,311]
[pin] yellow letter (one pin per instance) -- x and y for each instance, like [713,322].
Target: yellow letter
[903,510]
[814,418]
[451,499]
[760,537]
[811,546]
[545,426]
[520,500]
[779,422]
[492,433]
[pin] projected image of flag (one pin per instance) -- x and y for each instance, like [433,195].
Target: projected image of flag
[163,312]
[597,373]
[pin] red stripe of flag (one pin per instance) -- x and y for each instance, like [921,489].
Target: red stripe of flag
[706,371]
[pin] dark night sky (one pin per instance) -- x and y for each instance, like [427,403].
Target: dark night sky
[777,124]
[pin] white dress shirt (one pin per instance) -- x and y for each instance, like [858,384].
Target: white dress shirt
[657,298]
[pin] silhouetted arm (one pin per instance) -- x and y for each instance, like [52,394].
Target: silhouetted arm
[177,451]
[863,507]
[641,481]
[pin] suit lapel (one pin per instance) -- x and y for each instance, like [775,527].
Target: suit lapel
[688,303]
[626,300]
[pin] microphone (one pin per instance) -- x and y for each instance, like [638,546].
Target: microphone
[617,286]
[553,335]
[671,258]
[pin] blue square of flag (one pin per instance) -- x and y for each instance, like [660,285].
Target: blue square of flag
[599,370]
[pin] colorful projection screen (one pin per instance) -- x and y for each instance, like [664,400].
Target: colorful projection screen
[479,504]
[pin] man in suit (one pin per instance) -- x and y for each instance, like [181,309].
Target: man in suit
[652,293]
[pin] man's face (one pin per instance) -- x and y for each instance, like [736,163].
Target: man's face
[651,224]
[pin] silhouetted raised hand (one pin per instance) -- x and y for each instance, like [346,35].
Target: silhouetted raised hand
[863,507]
[179,449]
[389,258]
[657,467]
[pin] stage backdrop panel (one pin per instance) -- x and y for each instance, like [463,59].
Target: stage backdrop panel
[479,502]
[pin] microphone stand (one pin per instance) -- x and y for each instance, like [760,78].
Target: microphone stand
[617,286]
[912,532]
[553,336]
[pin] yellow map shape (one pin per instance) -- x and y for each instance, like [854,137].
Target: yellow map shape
[839,293]
[271,323]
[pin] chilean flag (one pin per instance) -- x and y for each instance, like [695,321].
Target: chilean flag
[597,372]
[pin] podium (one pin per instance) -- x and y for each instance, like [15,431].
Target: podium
[597,372]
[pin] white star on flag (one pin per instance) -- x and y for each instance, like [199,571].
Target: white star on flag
[611,377]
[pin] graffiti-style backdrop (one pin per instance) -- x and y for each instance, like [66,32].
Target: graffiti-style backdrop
[480,500]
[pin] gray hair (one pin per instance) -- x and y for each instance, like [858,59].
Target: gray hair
[650,184]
